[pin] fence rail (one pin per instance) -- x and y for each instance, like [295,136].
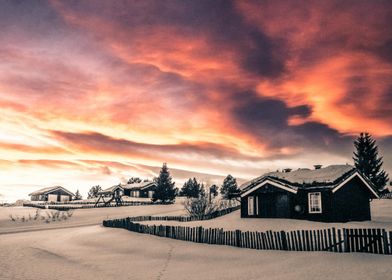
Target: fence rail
[377,241]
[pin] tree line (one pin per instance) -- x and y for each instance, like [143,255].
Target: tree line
[366,160]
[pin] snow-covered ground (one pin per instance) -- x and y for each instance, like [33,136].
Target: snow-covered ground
[80,217]
[82,249]
[381,210]
[104,253]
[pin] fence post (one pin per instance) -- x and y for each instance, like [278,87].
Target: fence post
[345,240]
[238,238]
[199,230]
[284,240]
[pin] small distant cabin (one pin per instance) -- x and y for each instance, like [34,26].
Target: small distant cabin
[52,194]
[143,189]
[115,191]
[337,193]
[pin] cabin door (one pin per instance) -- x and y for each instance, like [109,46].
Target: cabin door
[266,205]
[282,205]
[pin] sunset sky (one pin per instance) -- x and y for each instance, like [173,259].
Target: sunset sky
[94,92]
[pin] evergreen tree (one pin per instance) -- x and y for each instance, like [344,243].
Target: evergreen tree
[165,191]
[214,190]
[229,188]
[78,196]
[191,188]
[134,180]
[368,162]
[93,192]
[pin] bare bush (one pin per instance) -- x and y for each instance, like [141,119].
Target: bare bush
[12,218]
[201,206]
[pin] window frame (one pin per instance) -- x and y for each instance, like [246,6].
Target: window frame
[251,206]
[310,203]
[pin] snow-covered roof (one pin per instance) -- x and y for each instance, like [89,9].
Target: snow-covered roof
[110,190]
[139,186]
[50,189]
[303,177]
[327,175]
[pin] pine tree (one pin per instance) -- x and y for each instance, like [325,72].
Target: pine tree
[78,196]
[134,180]
[367,160]
[165,191]
[214,190]
[229,188]
[93,192]
[191,188]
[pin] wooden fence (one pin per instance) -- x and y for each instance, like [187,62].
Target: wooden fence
[377,241]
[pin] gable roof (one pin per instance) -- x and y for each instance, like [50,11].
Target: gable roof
[111,189]
[139,186]
[51,189]
[331,177]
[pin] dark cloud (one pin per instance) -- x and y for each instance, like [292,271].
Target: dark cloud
[217,21]
[267,119]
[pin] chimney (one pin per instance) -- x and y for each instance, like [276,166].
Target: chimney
[317,166]
[287,170]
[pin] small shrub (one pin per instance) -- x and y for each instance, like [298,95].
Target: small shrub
[12,218]
[201,206]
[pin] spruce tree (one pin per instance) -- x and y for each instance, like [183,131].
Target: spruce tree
[78,196]
[229,188]
[191,188]
[367,160]
[165,191]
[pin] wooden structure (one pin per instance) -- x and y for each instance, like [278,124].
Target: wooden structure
[337,193]
[113,193]
[52,194]
[366,240]
[143,189]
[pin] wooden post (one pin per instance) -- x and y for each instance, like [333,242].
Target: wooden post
[238,238]
[284,240]
[345,241]
[385,242]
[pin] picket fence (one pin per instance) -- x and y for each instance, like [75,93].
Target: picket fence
[377,241]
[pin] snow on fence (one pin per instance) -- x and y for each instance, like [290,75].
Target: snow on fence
[377,241]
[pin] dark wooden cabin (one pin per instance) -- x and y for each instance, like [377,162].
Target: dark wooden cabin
[52,194]
[143,189]
[337,193]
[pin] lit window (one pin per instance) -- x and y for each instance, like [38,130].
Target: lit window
[250,205]
[314,202]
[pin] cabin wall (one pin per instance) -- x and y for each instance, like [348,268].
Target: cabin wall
[352,202]
[268,202]
[271,204]
[58,193]
[138,192]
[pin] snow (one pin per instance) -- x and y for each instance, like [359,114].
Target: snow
[79,250]
[103,253]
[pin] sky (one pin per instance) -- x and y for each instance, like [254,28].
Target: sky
[94,92]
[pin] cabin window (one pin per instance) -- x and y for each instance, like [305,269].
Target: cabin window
[314,202]
[251,206]
[257,205]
